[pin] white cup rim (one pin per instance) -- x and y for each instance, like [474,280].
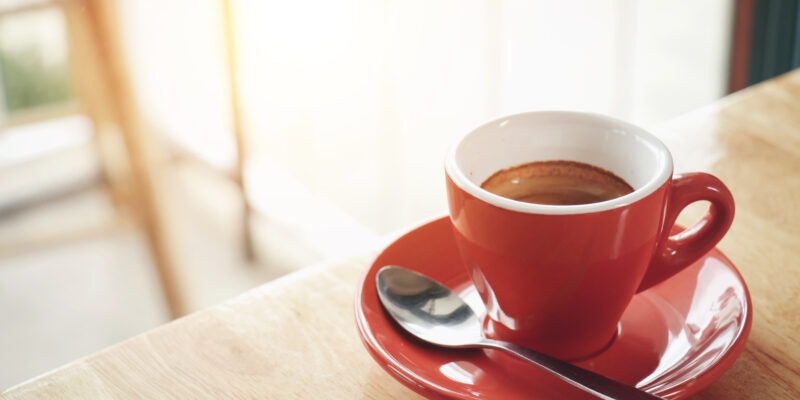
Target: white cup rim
[663,174]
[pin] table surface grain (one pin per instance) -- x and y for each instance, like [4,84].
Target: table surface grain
[295,338]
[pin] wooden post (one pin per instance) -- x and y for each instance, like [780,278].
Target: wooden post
[105,89]
[238,128]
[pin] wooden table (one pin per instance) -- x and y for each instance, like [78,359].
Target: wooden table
[295,338]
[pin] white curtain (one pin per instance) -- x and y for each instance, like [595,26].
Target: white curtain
[351,104]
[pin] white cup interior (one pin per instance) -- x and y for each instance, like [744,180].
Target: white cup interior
[628,151]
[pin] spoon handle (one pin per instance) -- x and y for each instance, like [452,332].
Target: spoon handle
[589,381]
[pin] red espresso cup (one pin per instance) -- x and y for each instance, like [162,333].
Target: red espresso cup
[557,278]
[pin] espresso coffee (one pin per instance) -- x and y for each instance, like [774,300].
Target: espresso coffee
[557,182]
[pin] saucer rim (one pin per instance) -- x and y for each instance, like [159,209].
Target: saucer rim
[431,390]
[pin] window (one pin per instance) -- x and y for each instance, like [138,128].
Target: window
[34,61]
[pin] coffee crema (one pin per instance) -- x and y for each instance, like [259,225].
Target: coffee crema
[556,182]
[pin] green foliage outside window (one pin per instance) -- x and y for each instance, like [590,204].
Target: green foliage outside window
[28,82]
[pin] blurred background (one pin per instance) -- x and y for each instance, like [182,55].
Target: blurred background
[157,157]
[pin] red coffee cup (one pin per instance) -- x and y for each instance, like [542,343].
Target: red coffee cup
[557,278]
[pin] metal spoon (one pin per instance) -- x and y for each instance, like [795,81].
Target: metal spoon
[433,313]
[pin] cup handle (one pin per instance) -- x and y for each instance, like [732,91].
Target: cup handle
[678,251]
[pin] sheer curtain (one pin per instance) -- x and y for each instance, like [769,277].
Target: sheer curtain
[350,105]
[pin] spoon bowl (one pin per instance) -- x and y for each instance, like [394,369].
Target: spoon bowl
[427,309]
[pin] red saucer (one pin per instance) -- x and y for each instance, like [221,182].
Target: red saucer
[674,339]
